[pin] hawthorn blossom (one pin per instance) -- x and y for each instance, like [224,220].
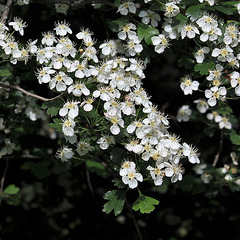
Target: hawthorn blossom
[87,104]
[109,48]
[202,105]
[44,74]
[184,113]
[189,30]
[131,178]
[157,174]
[174,171]
[69,108]
[216,73]
[160,42]
[62,28]
[78,89]
[126,31]
[65,153]
[106,141]
[191,153]
[171,10]
[224,123]
[223,54]
[210,2]
[207,23]
[68,127]
[60,81]
[127,7]
[235,82]
[18,25]
[150,16]
[199,55]
[83,148]
[133,46]
[214,93]
[48,38]
[188,86]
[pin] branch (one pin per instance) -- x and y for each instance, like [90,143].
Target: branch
[3,178]
[6,11]
[219,151]
[28,93]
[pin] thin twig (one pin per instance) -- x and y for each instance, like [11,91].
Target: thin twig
[28,93]
[134,221]
[219,151]
[3,178]
[6,11]
[89,182]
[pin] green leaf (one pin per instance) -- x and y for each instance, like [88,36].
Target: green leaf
[204,67]
[116,200]
[195,11]
[180,19]
[97,168]
[224,10]
[186,62]
[223,108]
[53,106]
[11,189]
[57,125]
[4,72]
[230,3]
[235,138]
[145,204]
[146,32]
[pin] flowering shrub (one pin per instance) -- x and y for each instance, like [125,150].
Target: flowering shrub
[99,112]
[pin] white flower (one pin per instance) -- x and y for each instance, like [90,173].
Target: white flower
[126,31]
[189,30]
[60,81]
[171,10]
[116,122]
[215,93]
[44,74]
[70,109]
[157,174]
[188,86]
[134,146]
[78,89]
[131,178]
[68,127]
[199,55]
[207,23]
[224,54]
[235,82]
[174,171]
[225,123]
[160,42]
[85,35]
[48,38]
[191,153]
[109,48]
[126,7]
[133,46]
[62,28]
[150,16]
[106,141]
[210,2]
[65,153]
[83,148]
[202,105]
[216,73]
[212,35]
[18,25]
[87,104]
[183,113]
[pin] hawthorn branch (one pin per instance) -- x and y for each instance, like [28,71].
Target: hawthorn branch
[3,178]
[28,93]
[219,151]
[6,11]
